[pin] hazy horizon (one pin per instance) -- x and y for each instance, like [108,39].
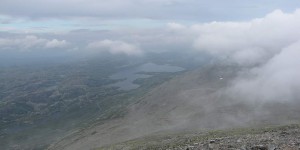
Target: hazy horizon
[130,68]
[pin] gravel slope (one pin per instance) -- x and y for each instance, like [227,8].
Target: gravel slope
[263,138]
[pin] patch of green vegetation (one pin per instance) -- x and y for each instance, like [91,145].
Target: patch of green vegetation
[41,104]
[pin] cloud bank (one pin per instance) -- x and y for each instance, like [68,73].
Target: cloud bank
[114,47]
[246,43]
[268,48]
[249,42]
[30,42]
[276,80]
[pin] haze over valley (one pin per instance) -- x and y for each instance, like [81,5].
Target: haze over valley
[149,74]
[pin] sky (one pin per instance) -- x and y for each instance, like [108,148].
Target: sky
[129,27]
[62,16]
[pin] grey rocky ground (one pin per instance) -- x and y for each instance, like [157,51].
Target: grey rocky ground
[285,139]
[261,138]
[281,139]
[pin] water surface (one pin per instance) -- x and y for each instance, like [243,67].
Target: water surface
[129,76]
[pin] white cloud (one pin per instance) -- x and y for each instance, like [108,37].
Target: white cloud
[175,26]
[269,47]
[115,47]
[250,56]
[277,80]
[29,43]
[56,44]
[251,41]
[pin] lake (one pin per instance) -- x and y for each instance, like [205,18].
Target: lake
[130,75]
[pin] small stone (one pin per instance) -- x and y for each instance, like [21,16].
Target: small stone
[190,146]
[272,147]
[211,146]
[212,141]
[284,133]
[259,147]
[243,147]
[93,132]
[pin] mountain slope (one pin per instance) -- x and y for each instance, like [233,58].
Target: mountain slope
[197,100]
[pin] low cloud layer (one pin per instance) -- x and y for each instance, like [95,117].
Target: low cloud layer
[248,42]
[267,48]
[276,80]
[114,47]
[30,43]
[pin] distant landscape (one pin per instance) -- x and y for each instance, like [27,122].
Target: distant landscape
[149,75]
[41,105]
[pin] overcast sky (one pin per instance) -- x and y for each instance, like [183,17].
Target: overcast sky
[64,15]
[132,27]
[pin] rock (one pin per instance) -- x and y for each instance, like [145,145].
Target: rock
[212,141]
[259,147]
[284,133]
[191,147]
[93,132]
[244,147]
[272,147]
[211,146]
